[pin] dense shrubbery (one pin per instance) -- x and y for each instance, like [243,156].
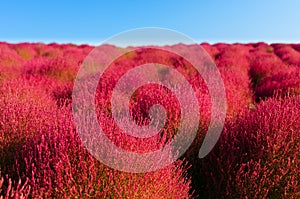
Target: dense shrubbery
[257,156]
[287,53]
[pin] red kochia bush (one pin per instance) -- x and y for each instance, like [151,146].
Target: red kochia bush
[211,50]
[270,75]
[296,47]
[58,68]
[22,116]
[233,62]
[260,48]
[267,72]
[25,50]
[283,83]
[238,90]
[9,57]
[47,50]
[265,65]
[287,53]
[234,55]
[19,190]
[41,155]
[221,46]
[257,155]
[57,165]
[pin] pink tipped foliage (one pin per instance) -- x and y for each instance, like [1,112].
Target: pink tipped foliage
[257,156]
[41,155]
[58,68]
[234,56]
[211,50]
[9,57]
[283,83]
[25,50]
[287,53]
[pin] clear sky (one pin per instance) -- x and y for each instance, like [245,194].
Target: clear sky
[91,22]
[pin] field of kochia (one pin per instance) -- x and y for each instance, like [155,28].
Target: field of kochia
[257,155]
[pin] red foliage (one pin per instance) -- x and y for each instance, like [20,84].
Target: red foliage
[257,156]
[234,55]
[287,53]
[283,83]
[25,50]
[211,50]
[57,68]
[9,57]
[41,155]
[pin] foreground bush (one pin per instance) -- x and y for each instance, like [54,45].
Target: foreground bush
[257,155]
[42,155]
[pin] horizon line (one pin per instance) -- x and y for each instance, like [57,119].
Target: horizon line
[98,42]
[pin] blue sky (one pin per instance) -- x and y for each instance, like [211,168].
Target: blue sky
[94,21]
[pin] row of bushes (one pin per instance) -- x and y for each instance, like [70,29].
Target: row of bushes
[257,156]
